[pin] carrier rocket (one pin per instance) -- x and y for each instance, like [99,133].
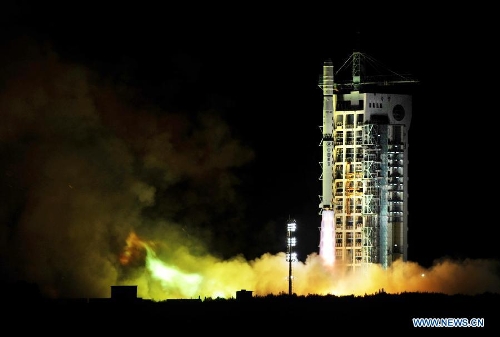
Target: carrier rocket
[327,236]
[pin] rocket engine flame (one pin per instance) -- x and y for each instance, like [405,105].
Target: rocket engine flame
[327,243]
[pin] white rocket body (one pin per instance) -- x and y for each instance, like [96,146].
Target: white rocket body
[328,101]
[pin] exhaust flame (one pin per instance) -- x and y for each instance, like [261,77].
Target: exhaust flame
[327,244]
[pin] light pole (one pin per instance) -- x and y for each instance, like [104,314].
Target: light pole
[290,255]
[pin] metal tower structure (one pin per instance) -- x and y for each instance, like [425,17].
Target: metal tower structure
[364,204]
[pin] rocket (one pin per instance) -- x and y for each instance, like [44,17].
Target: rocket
[327,141]
[327,239]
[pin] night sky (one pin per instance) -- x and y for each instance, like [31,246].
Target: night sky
[204,129]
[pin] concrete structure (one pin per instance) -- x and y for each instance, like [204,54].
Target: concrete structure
[364,201]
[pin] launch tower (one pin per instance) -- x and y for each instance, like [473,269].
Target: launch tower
[364,200]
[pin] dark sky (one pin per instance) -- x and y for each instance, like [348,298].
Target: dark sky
[211,122]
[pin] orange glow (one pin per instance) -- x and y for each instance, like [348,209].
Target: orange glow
[134,251]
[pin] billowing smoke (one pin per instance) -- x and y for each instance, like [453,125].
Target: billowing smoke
[99,191]
[82,167]
[177,273]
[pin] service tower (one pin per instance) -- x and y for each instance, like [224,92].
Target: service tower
[364,200]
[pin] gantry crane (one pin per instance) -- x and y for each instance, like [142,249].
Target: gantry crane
[380,75]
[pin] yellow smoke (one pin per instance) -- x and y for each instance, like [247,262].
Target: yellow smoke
[206,276]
